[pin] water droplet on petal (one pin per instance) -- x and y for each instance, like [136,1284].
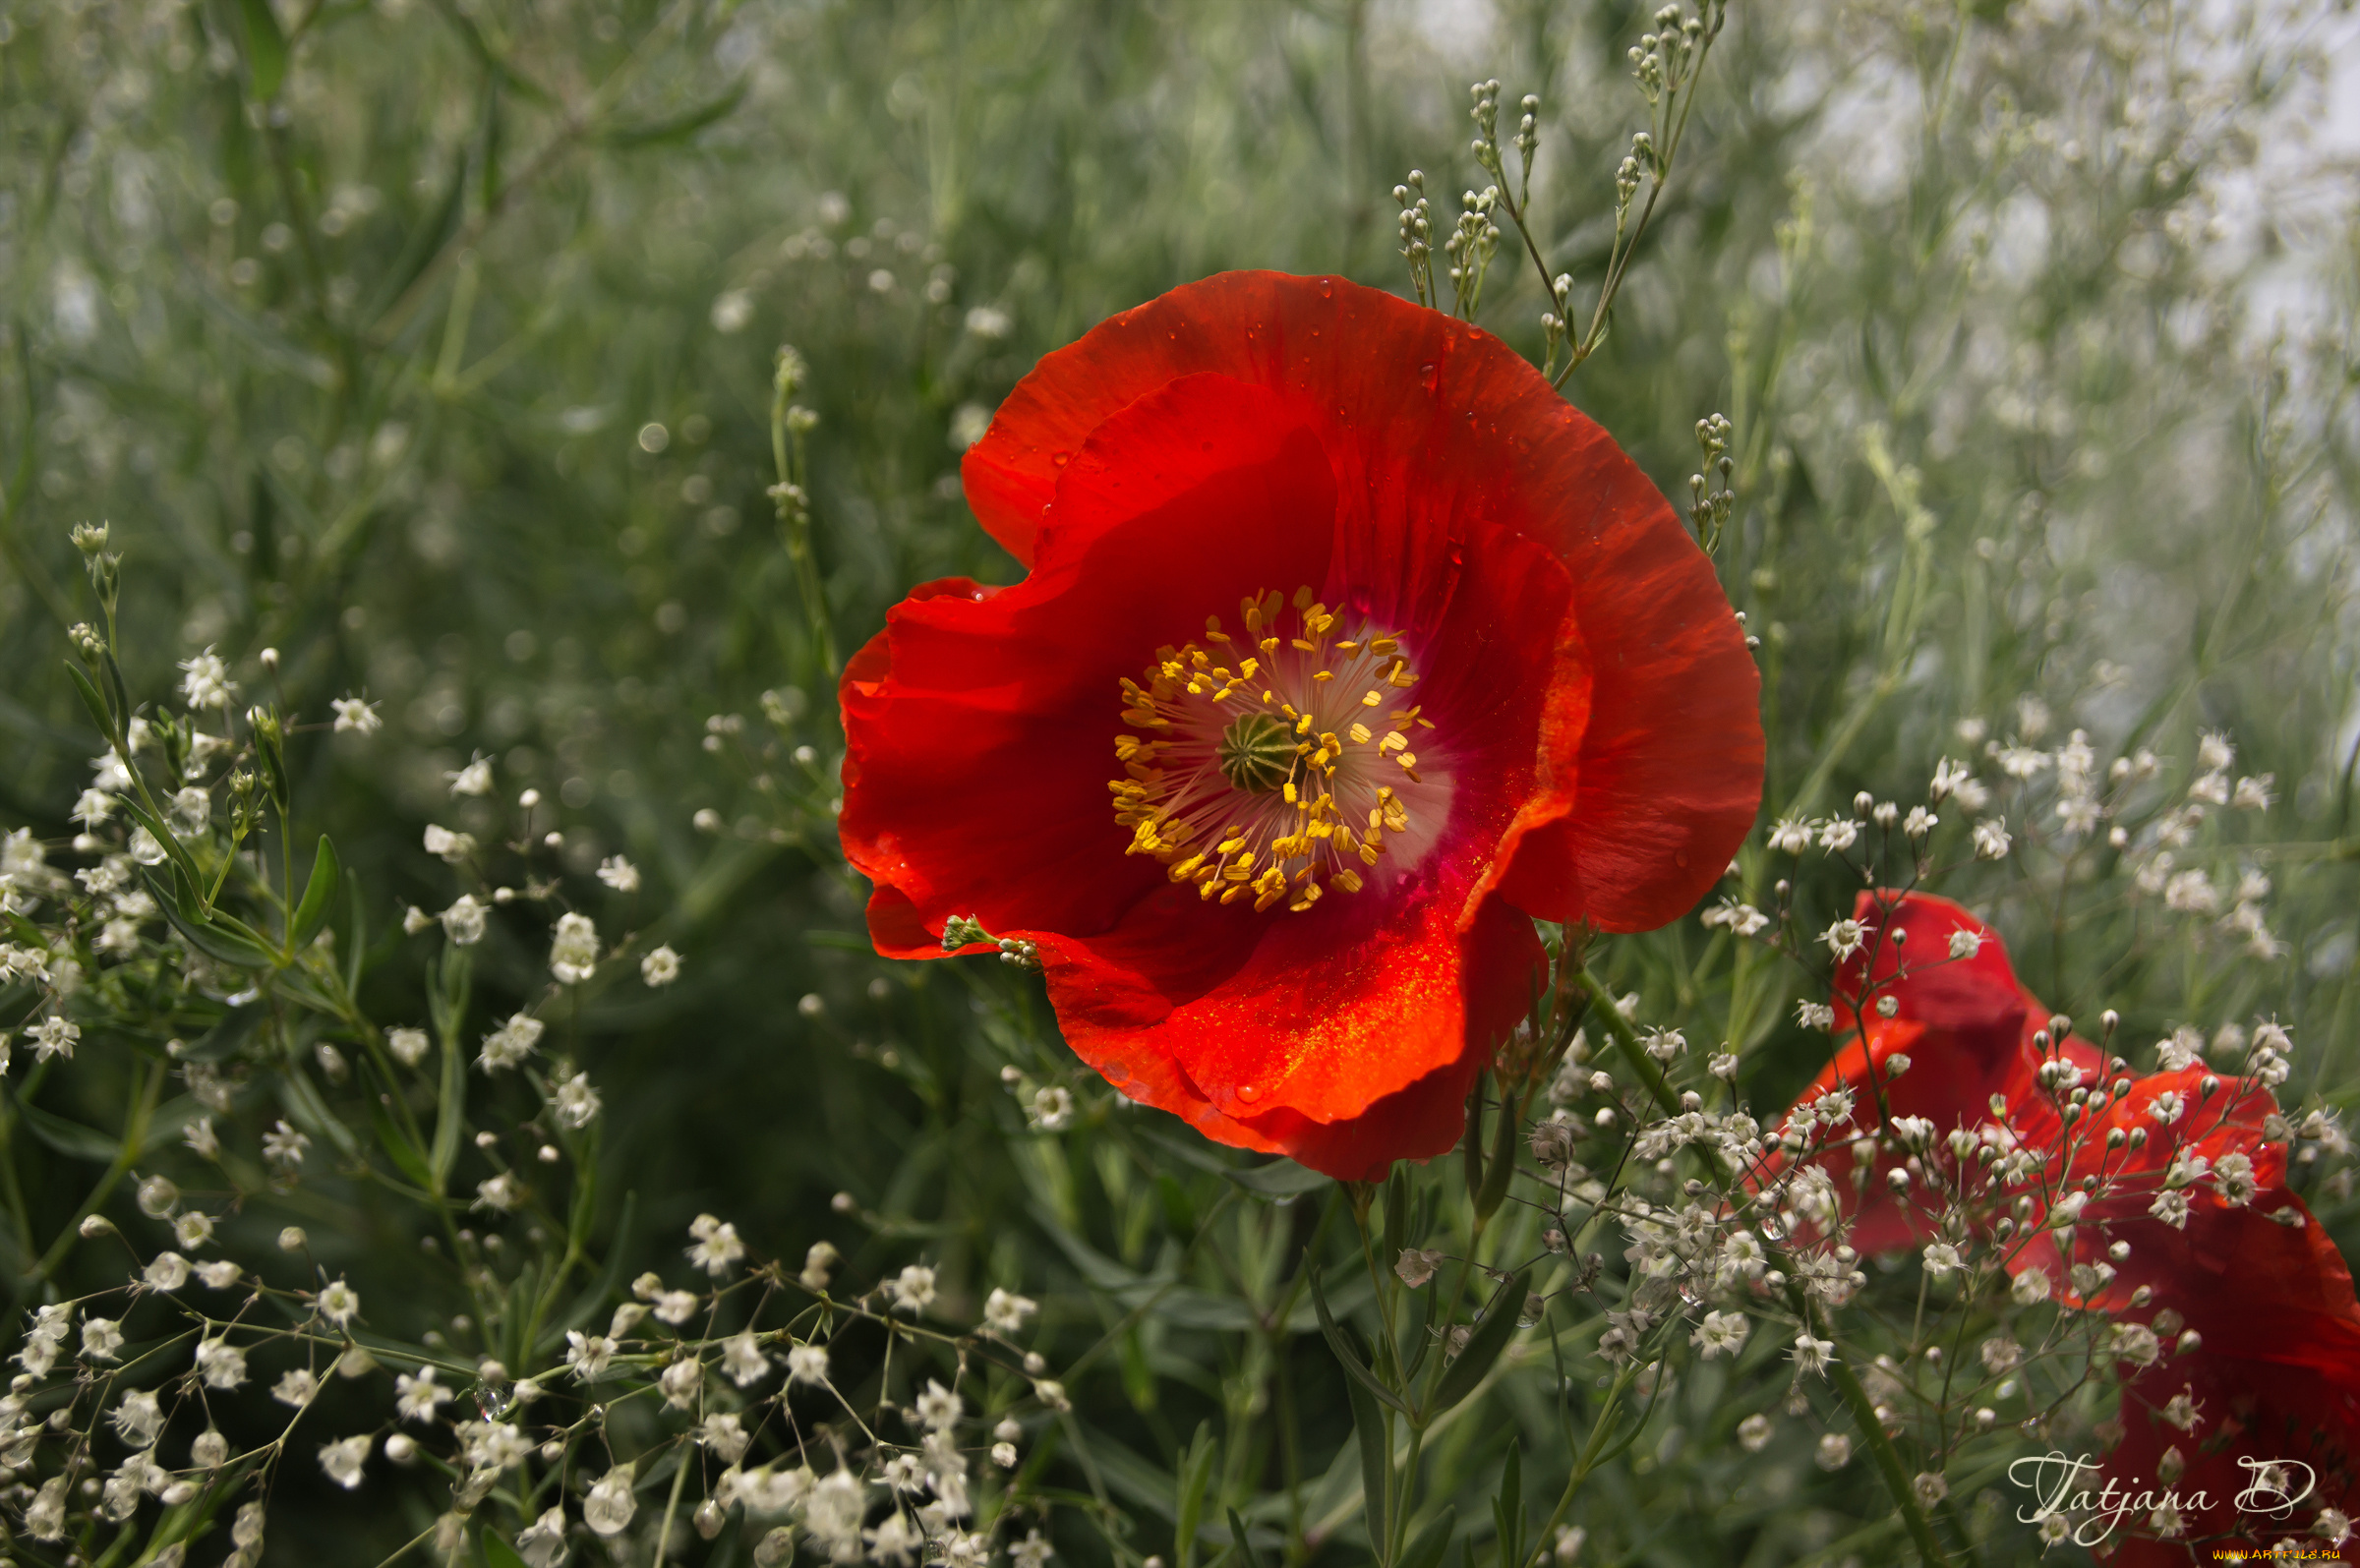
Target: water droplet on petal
[1326,287]
[1431,377]
[1061,458]
[1246,1091]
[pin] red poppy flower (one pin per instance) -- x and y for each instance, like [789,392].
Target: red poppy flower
[1347,648]
[1967,1026]
[2191,1228]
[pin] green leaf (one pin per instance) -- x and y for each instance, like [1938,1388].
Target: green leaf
[70,1138]
[311,912]
[92,700]
[212,936]
[600,1291]
[176,851]
[497,1553]
[678,127]
[1196,1470]
[1245,1543]
[1507,1509]
[1279,1179]
[1484,1346]
[1344,1351]
[265,49]
[306,1109]
[1376,1460]
[1426,1551]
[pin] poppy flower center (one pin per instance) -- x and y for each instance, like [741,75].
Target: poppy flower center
[1273,765]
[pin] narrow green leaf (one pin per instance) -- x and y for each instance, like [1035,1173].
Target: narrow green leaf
[1396,1215]
[306,1109]
[1196,1470]
[211,936]
[311,912]
[1414,1338]
[1376,1460]
[600,1291]
[92,700]
[265,49]
[356,939]
[1503,1159]
[69,1138]
[1279,1179]
[1426,1551]
[1507,1509]
[1484,1346]
[678,127]
[398,1149]
[1344,1351]
[175,851]
[1245,1543]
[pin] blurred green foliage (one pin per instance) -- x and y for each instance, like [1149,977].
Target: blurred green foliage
[431,343]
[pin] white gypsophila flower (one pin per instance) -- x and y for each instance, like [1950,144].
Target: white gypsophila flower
[137,1418]
[725,1435]
[1843,938]
[2031,1288]
[542,1543]
[342,1461]
[2233,1180]
[409,1045]
[500,1194]
[101,1337]
[2333,1526]
[588,1354]
[660,967]
[679,1382]
[2254,792]
[619,874]
[894,1539]
[1815,1015]
[2001,1354]
[1965,944]
[2167,1107]
[1721,1333]
[2214,751]
[209,1450]
[283,1145]
[339,1302]
[717,1248]
[675,1307]
[473,780]
[298,1387]
[2078,813]
[1812,1354]
[448,845]
[1051,1109]
[220,1274]
[1991,842]
[463,922]
[2191,892]
[1930,1489]
[1839,834]
[1942,1260]
[144,846]
[1791,835]
[510,1043]
[417,1398]
[93,807]
[1004,1311]
[818,1262]
[220,1364]
[1919,822]
[742,1361]
[938,1407]
[574,949]
[576,1102]
[1754,1432]
[192,808]
[2171,1208]
[193,1229]
[1834,1451]
[204,681]
[169,1271]
[912,1289]
[54,1037]
[357,715]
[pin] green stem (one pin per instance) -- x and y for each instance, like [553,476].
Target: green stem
[1848,1385]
